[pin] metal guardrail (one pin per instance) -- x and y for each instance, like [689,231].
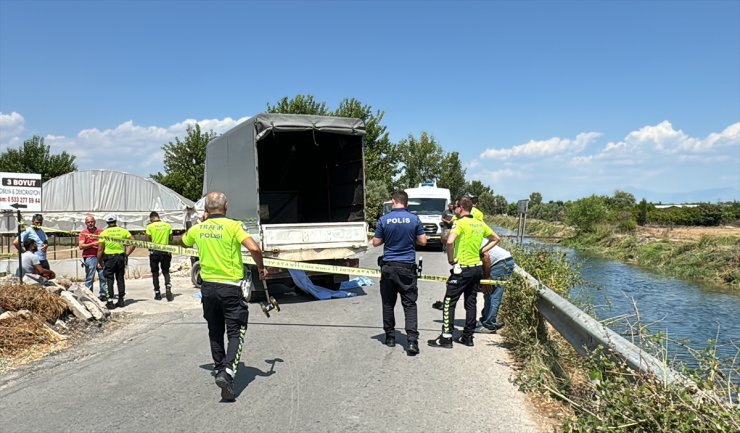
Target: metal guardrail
[585,334]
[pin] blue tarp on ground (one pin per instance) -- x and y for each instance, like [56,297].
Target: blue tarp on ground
[304,283]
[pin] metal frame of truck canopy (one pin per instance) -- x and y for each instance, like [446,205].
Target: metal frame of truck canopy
[233,165]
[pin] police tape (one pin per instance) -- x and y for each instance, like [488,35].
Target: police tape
[273,263]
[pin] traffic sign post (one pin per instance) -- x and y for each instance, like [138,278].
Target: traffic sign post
[20,191]
[522,208]
[20,244]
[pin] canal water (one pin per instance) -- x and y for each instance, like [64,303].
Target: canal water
[688,312]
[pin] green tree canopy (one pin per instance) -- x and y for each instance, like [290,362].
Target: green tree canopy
[185,162]
[585,213]
[299,104]
[421,159]
[452,176]
[642,212]
[35,157]
[621,201]
[534,199]
[477,189]
[500,206]
[381,156]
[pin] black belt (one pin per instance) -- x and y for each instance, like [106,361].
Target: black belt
[411,266]
[111,255]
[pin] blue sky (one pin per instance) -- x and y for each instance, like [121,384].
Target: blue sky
[564,98]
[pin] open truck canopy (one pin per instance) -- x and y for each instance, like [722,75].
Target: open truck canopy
[287,169]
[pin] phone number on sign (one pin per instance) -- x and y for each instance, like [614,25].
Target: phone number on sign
[12,199]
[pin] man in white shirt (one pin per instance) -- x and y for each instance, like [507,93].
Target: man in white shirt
[499,265]
[32,264]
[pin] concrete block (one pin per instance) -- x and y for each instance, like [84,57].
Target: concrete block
[75,306]
[93,309]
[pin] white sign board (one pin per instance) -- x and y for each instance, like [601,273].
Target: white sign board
[20,191]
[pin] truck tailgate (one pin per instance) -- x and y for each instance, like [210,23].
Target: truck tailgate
[316,241]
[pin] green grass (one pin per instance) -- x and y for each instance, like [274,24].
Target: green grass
[600,393]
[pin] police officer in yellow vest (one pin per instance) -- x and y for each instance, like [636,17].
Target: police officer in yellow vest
[475,212]
[219,240]
[464,253]
[159,232]
[113,256]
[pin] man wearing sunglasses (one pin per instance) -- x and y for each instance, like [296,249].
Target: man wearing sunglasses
[39,236]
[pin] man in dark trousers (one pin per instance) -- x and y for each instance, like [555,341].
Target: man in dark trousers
[159,232]
[399,231]
[113,256]
[465,255]
[219,241]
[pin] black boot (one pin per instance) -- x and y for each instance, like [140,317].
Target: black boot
[110,305]
[226,383]
[157,295]
[468,341]
[413,348]
[168,293]
[120,303]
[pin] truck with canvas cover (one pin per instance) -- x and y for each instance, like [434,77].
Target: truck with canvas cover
[429,203]
[297,183]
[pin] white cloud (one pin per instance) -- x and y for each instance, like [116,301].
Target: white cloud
[664,139]
[496,176]
[535,148]
[127,147]
[653,157]
[11,127]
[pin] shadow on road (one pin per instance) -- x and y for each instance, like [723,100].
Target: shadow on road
[401,338]
[246,375]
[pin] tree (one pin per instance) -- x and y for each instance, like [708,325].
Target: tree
[486,203]
[376,193]
[185,162]
[299,104]
[642,212]
[35,157]
[621,200]
[452,176]
[381,156]
[552,211]
[585,213]
[477,189]
[534,199]
[500,206]
[421,159]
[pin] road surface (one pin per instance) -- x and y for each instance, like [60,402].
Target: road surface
[317,366]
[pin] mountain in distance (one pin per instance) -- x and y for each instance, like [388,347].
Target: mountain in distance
[701,196]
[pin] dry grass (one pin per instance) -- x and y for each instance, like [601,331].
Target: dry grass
[16,297]
[26,336]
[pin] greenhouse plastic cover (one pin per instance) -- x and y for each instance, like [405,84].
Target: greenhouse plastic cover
[67,199]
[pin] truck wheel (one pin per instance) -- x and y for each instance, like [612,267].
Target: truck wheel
[195,274]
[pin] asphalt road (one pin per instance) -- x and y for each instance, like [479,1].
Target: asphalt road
[317,366]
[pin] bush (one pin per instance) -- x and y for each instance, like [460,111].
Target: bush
[585,213]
